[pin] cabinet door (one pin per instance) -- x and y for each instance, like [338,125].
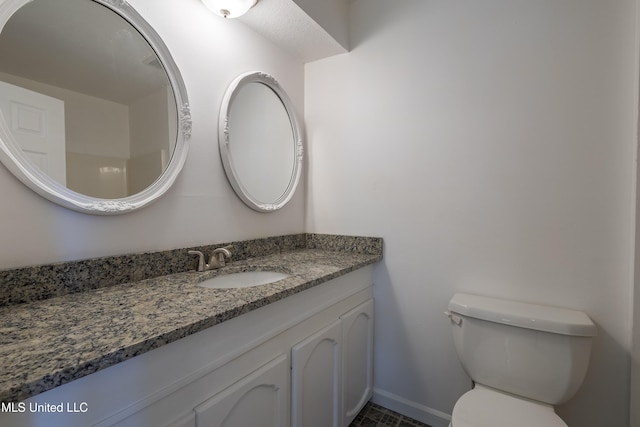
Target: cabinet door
[357,359]
[259,399]
[316,386]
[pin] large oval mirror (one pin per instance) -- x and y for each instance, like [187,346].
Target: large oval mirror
[94,113]
[260,142]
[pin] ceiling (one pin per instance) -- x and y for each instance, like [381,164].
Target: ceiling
[81,46]
[289,26]
[85,47]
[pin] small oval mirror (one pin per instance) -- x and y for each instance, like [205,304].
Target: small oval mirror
[94,113]
[260,143]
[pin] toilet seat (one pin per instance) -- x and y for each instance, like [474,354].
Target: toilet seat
[485,407]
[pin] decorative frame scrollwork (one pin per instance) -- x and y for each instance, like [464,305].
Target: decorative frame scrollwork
[225,151]
[15,160]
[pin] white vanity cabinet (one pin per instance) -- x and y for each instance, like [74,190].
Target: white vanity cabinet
[260,399]
[303,361]
[332,371]
[316,376]
[357,360]
[331,380]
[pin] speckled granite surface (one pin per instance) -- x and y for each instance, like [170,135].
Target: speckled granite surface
[27,284]
[47,343]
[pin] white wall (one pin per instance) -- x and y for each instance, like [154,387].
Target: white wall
[201,207]
[98,176]
[491,144]
[150,119]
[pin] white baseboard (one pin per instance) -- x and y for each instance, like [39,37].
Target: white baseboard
[406,407]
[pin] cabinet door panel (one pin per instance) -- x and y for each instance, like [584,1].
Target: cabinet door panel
[357,359]
[316,388]
[259,399]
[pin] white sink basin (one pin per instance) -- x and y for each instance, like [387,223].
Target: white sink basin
[244,279]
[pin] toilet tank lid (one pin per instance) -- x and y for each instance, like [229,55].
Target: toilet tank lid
[531,316]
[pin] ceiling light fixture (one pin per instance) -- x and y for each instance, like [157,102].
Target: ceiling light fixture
[229,8]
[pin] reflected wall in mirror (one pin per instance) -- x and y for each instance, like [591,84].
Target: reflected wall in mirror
[94,113]
[260,142]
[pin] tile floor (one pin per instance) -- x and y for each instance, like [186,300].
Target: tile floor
[373,415]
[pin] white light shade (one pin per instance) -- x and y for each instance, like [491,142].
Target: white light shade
[229,8]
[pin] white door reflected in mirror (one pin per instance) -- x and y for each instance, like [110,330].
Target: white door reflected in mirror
[125,120]
[36,121]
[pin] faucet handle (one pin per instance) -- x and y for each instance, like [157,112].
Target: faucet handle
[219,256]
[200,259]
[225,251]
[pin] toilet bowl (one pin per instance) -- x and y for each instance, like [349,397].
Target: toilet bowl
[484,407]
[523,358]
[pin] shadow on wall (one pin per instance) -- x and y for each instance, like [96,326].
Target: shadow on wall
[410,363]
[369,24]
[392,344]
[617,359]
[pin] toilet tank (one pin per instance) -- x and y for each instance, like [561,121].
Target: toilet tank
[534,351]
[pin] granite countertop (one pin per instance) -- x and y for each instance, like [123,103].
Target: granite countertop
[51,342]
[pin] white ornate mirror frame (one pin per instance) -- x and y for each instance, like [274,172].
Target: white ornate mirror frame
[25,170]
[224,137]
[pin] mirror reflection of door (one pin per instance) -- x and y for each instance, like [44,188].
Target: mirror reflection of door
[37,124]
[120,115]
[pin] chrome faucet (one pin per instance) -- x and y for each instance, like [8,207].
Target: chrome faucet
[217,260]
[219,256]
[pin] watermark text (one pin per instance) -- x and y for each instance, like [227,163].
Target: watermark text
[44,407]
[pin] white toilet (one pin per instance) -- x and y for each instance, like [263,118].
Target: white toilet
[523,359]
